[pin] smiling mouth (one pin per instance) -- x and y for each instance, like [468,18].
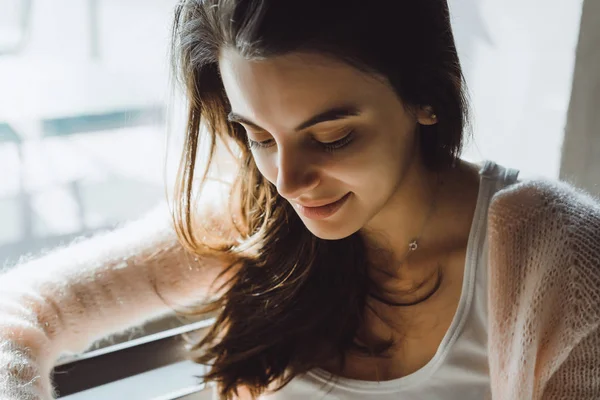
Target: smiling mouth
[322,211]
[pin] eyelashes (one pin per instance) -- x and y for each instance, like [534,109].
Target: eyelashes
[262,145]
[338,144]
[330,146]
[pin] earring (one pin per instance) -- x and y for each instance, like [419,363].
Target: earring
[433,116]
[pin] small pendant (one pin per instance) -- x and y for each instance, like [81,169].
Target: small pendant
[412,246]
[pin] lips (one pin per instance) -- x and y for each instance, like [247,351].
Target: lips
[322,210]
[316,204]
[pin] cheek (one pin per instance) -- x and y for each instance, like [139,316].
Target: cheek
[266,165]
[374,167]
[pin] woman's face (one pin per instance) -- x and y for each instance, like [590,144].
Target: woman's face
[335,141]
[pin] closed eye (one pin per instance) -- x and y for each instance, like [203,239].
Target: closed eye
[338,144]
[328,146]
[263,144]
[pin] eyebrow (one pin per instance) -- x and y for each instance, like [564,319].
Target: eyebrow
[332,114]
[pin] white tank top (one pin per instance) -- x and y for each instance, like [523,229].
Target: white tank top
[459,368]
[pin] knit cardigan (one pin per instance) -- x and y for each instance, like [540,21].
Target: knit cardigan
[543,316]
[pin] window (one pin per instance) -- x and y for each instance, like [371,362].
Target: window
[82,117]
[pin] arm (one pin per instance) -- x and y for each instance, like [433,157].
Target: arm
[578,376]
[68,299]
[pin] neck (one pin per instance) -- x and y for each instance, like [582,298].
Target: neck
[405,217]
[408,214]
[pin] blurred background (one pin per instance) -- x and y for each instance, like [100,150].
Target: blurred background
[83,95]
[84,92]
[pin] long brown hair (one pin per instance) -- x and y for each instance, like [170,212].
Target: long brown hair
[298,301]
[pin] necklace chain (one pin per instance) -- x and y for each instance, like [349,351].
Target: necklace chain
[413,245]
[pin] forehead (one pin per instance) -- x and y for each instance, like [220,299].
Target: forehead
[279,92]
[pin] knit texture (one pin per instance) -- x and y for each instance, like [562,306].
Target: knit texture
[72,297]
[544,295]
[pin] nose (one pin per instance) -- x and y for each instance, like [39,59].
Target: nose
[296,173]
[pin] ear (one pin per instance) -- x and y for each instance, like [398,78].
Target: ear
[426,116]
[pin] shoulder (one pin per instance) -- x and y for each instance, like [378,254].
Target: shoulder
[544,275]
[549,229]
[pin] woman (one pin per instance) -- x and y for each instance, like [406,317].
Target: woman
[359,256]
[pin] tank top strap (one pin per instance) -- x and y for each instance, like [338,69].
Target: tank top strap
[502,176]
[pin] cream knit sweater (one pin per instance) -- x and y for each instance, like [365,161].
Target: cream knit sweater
[544,295]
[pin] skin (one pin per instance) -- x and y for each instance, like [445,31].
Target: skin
[390,192]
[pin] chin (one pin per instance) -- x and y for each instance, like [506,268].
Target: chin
[329,230]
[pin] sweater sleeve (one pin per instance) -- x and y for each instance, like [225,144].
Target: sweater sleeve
[544,293]
[576,374]
[73,296]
